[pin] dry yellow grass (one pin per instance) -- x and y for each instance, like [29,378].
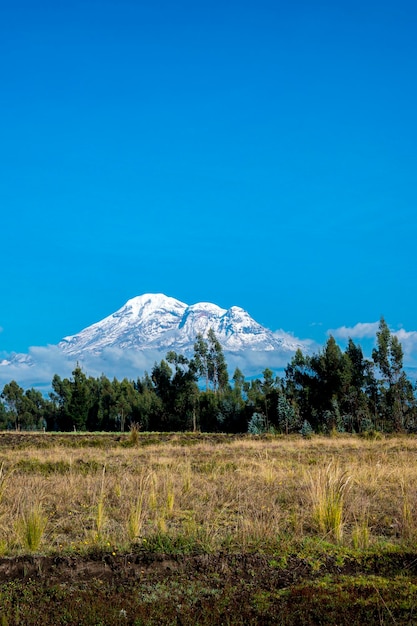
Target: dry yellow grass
[248,494]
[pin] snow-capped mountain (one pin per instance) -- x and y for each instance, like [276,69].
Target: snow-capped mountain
[130,341]
[158,322]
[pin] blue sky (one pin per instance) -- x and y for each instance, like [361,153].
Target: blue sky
[259,154]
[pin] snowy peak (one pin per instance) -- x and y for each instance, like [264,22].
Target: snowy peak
[149,305]
[139,322]
[237,320]
[156,321]
[199,318]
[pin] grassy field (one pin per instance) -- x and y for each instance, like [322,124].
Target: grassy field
[207,529]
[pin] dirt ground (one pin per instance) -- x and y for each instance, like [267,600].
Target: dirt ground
[119,569]
[146,588]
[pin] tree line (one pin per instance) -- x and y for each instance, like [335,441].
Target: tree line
[330,391]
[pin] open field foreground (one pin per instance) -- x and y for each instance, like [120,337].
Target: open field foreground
[145,528]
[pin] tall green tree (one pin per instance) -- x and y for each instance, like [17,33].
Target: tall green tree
[300,387]
[4,419]
[59,417]
[201,359]
[34,409]
[105,404]
[185,391]
[388,355]
[262,396]
[150,405]
[13,397]
[24,409]
[80,399]
[396,398]
[357,404]
[173,394]
[210,363]
[288,417]
[217,363]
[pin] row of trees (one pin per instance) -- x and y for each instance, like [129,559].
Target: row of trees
[335,390]
[332,390]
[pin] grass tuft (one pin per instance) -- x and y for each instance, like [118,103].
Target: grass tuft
[4,476]
[31,527]
[136,512]
[361,534]
[134,434]
[100,518]
[328,488]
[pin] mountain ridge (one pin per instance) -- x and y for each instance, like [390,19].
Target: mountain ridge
[157,321]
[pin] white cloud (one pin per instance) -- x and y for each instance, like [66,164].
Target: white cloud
[252,362]
[368,330]
[293,342]
[408,340]
[361,330]
[37,368]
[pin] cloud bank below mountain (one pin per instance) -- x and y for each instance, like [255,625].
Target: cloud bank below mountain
[38,367]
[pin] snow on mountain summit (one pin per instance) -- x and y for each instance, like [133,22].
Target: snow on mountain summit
[137,323]
[156,321]
[150,304]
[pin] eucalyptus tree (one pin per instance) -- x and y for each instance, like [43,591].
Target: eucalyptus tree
[80,400]
[210,363]
[23,409]
[13,398]
[396,398]
[299,387]
[288,417]
[185,391]
[218,366]
[359,393]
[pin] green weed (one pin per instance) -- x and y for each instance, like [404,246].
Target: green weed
[361,534]
[31,527]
